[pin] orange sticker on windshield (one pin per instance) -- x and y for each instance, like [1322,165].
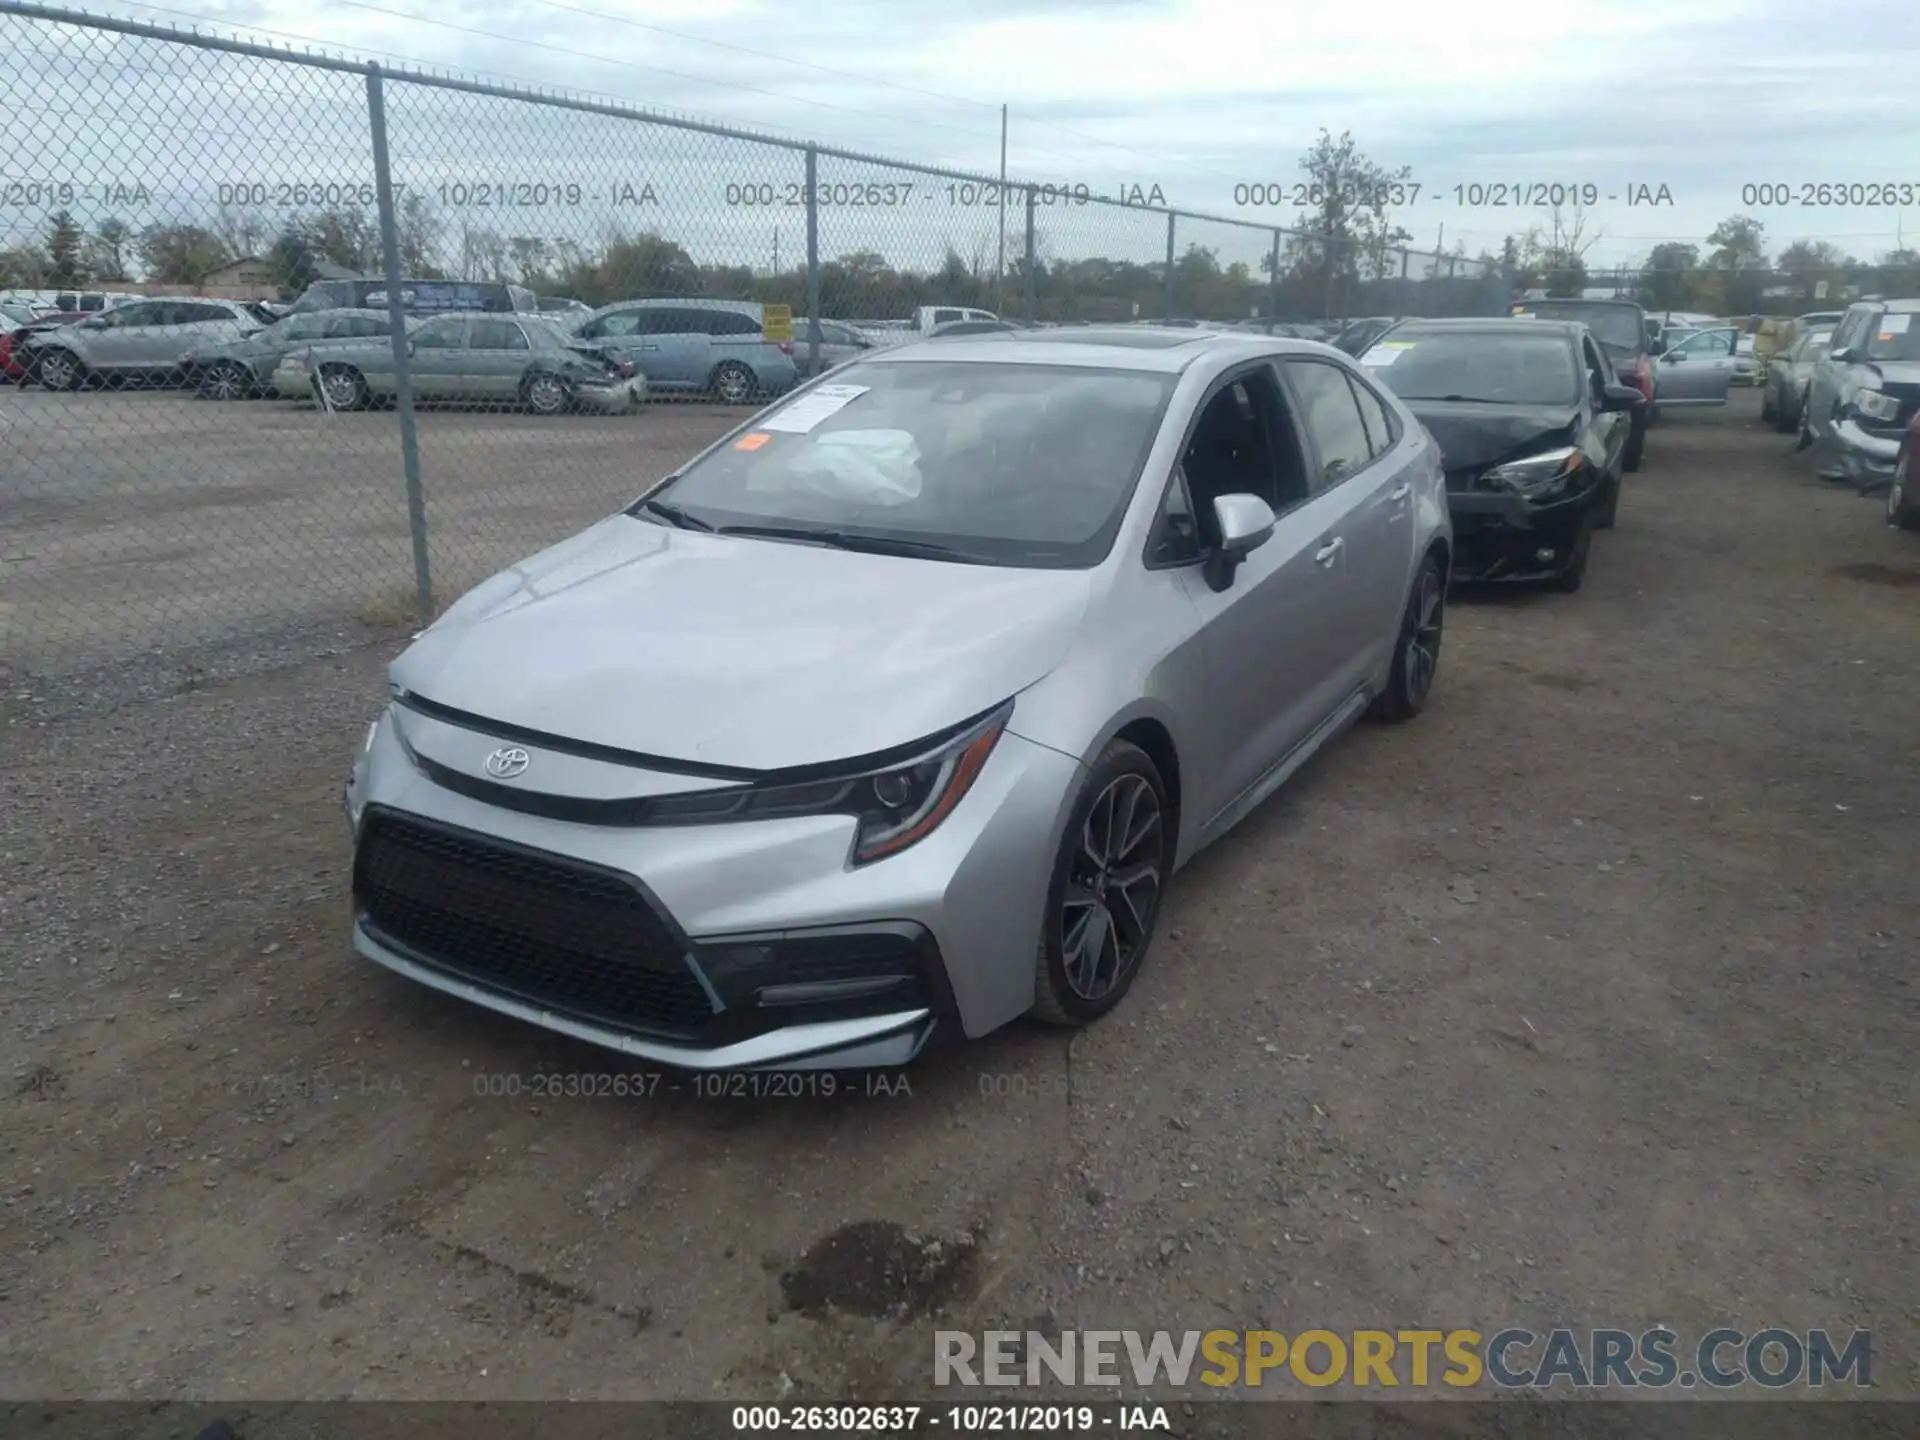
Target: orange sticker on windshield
[753,441]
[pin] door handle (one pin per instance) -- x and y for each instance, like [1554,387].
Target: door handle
[1401,493]
[1324,555]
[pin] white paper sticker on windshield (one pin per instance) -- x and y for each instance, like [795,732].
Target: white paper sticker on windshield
[1891,325]
[1385,353]
[813,407]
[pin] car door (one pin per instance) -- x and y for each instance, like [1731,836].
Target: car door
[1698,370]
[119,341]
[1603,431]
[197,323]
[1364,500]
[438,357]
[497,354]
[1271,659]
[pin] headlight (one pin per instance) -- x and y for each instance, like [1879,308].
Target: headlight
[1875,405]
[896,805]
[1536,476]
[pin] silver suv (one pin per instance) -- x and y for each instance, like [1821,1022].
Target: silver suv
[145,339]
[712,347]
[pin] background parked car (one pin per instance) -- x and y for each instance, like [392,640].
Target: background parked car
[1532,426]
[1697,369]
[564,305]
[143,340]
[239,369]
[1788,377]
[839,343]
[1357,335]
[1747,369]
[1620,329]
[715,347]
[505,359]
[418,297]
[1864,392]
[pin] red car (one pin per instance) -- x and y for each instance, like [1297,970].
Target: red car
[1903,495]
[11,367]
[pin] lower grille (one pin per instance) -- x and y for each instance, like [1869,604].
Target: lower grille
[542,928]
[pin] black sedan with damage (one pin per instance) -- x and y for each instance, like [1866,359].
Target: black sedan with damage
[1533,428]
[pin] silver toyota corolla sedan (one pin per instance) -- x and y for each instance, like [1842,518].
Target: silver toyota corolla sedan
[892,713]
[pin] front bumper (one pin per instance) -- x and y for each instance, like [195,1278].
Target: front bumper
[741,945]
[1861,455]
[1504,537]
[620,398]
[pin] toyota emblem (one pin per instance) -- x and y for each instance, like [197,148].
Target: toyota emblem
[507,762]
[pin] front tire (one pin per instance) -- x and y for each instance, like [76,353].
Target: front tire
[1104,896]
[1416,651]
[1609,510]
[546,394]
[59,370]
[1903,506]
[1574,574]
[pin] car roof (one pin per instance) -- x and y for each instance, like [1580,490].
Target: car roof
[1576,300]
[1492,325]
[1904,307]
[1165,351]
[689,302]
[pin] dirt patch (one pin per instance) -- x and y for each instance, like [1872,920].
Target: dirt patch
[877,1269]
[1871,574]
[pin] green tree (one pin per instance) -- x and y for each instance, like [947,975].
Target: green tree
[291,260]
[1899,274]
[66,250]
[23,267]
[1738,248]
[1665,278]
[107,249]
[1806,263]
[180,254]
[344,237]
[1348,232]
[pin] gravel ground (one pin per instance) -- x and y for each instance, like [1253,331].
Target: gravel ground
[1588,998]
[155,541]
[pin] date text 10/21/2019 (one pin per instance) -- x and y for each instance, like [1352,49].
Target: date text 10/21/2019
[1471,194]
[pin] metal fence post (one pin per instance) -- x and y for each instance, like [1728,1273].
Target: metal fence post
[1033,262]
[1166,299]
[397,324]
[1273,284]
[813,261]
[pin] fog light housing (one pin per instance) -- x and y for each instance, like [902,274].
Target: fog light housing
[1545,554]
[882,966]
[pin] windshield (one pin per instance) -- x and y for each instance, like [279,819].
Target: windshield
[1024,465]
[1504,368]
[1620,328]
[1895,337]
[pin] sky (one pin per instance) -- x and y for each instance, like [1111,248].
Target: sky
[1207,104]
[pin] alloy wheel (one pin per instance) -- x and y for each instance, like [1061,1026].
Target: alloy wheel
[1423,641]
[1897,492]
[223,382]
[342,389]
[546,395]
[1113,887]
[58,371]
[734,384]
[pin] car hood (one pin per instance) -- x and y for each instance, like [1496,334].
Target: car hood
[743,653]
[1473,436]
[1902,373]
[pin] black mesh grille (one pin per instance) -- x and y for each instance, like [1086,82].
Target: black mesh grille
[543,928]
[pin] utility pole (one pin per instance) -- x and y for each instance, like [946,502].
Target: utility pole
[1000,270]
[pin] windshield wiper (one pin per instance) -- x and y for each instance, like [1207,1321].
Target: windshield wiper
[673,515]
[845,540]
[1461,399]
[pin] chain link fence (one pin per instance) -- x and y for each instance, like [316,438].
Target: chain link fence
[303,348]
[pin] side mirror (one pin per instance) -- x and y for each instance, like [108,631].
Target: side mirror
[1622,397]
[1246,523]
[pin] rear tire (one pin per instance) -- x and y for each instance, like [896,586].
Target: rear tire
[343,388]
[1104,896]
[224,381]
[1416,650]
[732,383]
